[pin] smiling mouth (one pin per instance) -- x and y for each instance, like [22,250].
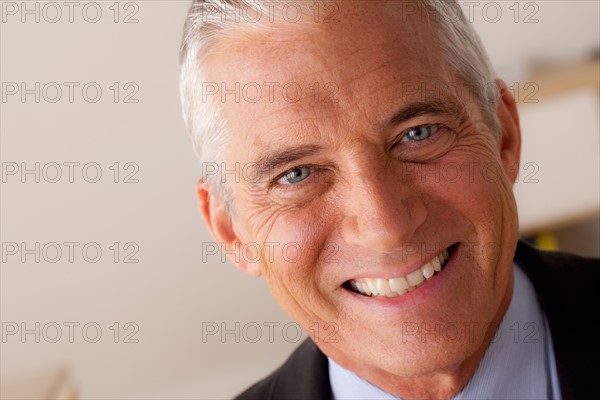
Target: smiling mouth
[394,287]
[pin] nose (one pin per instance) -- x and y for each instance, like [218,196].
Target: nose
[382,212]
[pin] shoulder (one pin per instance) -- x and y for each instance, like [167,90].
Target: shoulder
[304,375]
[559,271]
[526,251]
[566,287]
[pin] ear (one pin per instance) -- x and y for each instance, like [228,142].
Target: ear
[222,227]
[510,140]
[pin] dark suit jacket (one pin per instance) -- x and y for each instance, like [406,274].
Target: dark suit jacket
[567,288]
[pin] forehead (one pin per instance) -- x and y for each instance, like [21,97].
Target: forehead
[359,66]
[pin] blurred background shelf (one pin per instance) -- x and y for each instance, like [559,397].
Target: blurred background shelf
[42,384]
[558,191]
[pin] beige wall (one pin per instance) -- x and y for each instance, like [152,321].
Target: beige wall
[172,292]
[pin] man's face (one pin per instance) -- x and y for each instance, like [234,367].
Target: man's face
[374,171]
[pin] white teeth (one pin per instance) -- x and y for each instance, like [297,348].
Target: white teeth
[383,288]
[372,286]
[428,270]
[398,286]
[437,266]
[365,287]
[415,277]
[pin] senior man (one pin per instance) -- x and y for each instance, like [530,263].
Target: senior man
[382,146]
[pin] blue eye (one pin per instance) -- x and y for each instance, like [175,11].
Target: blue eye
[295,175]
[419,133]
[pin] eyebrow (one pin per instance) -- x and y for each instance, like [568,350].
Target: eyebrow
[435,107]
[275,159]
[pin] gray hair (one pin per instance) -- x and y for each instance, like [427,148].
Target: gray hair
[206,23]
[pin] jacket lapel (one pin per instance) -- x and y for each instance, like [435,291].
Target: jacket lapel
[566,287]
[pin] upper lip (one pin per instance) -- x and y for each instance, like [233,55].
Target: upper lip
[395,270]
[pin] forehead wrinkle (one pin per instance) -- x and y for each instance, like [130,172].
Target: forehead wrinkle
[302,127]
[338,51]
[363,53]
[301,132]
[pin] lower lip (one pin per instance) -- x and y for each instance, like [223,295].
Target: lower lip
[420,294]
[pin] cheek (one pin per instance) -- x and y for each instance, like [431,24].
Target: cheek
[299,238]
[471,180]
[296,267]
[456,195]
[471,193]
[481,197]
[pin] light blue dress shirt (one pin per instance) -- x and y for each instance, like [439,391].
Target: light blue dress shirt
[518,364]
